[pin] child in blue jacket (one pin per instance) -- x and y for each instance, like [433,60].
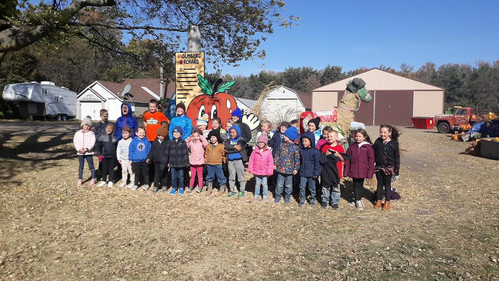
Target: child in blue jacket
[139,149]
[310,167]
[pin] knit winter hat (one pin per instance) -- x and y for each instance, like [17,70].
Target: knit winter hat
[237,113]
[162,130]
[178,129]
[291,133]
[181,105]
[316,121]
[86,121]
[203,120]
[215,133]
[263,138]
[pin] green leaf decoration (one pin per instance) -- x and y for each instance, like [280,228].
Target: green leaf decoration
[224,87]
[204,85]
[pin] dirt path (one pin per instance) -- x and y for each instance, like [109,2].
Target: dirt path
[445,227]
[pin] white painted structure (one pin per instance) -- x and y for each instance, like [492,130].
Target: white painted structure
[96,97]
[282,103]
[246,105]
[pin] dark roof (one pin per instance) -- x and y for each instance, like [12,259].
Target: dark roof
[139,94]
[305,98]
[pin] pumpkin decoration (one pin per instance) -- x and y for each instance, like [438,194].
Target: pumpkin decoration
[454,137]
[215,102]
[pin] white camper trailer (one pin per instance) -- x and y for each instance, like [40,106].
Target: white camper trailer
[43,99]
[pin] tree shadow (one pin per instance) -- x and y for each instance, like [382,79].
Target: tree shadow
[34,153]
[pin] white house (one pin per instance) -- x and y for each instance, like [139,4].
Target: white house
[285,104]
[246,105]
[109,95]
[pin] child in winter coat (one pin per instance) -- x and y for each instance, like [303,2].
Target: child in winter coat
[139,149]
[106,149]
[265,129]
[310,168]
[158,157]
[287,164]
[278,137]
[84,141]
[261,164]
[313,127]
[332,193]
[387,158]
[178,160]
[235,149]
[123,155]
[215,153]
[126,120]
[361,164]
[197,144]
[182,121]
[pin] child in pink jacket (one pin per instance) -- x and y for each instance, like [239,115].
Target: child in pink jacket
[261,164]
[197,145]
[84,141]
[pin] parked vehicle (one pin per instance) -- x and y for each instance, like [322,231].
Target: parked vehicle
[462,116]
[43,99]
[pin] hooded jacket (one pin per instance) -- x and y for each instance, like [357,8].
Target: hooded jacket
[330,176]
[261,162]
[139,148]
[287,158]
[310,158]
[361,165]
[106,145]
[184,122]
[126,121]
[84,140]
[231,151]
[197,148]
[178,153]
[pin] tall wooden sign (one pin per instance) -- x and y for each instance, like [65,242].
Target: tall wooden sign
[188,66]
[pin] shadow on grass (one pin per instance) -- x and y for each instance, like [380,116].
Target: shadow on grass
[32,154]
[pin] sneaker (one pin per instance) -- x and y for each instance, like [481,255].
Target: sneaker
[312,202]
[101,184]
[302,203]
[123,184]
[181,191]
[110,184]
[154,190]
[92,182]
[256,198]
[240,194]
[80,182]
[190,189]
[173,191]
[164,188]
[231,193]
[135,187]
[287,200]
[324,205]
[335,207]
[130,185]
[265,199]
[359,205]
[277,200]
[199,189]
[145,187]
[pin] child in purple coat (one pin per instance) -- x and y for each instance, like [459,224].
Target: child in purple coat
[361,165]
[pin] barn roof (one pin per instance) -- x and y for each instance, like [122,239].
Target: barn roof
[377,79]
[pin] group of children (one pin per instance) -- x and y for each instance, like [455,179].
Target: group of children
[314,160]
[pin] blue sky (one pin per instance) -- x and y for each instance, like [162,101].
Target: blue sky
[370,33]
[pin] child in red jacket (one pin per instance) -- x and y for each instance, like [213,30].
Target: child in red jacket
[261,164]
[361,165]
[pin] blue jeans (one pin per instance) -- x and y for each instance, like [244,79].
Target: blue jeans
[215,170]
[334,192]
[303,186]
[284,180]
[177,177]
[90,161]
[261,180]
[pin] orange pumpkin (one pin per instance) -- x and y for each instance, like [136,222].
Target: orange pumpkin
[454,137]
